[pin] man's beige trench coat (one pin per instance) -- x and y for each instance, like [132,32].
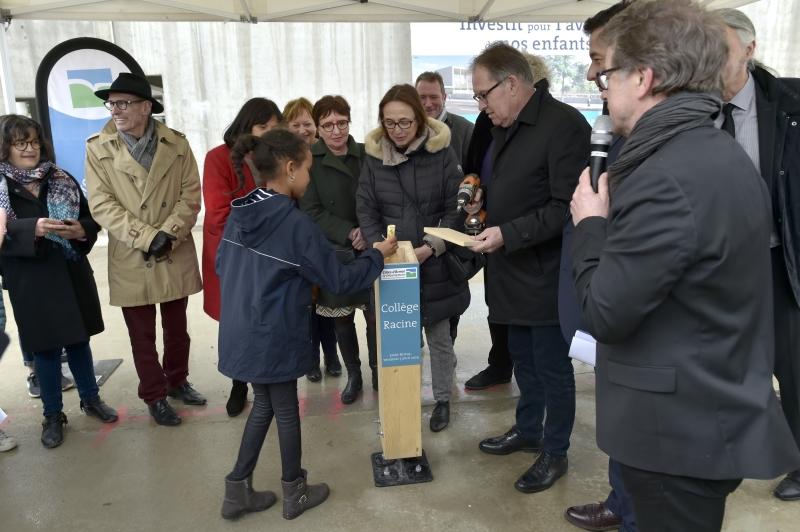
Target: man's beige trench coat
[133,205]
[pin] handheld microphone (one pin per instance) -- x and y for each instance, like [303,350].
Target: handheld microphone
[601,140]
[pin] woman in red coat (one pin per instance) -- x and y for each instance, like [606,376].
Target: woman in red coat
[220,187]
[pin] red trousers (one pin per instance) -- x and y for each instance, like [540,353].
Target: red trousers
[155,379]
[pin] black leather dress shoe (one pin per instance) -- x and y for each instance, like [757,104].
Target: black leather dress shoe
[789,488]
[163,413]
[486,379]
[542,474]
[440,417]
[315,375]
[595,517]
[53,430]
[98,408]
[510,442]
[187,394]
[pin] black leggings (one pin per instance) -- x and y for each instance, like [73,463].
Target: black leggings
[278,400]
[348,340]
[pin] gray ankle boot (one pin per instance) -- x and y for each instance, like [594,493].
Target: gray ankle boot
[240,498]
[299,496]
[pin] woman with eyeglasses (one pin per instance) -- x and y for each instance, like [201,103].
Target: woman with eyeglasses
[330,200]
[410,179]
[220,187]
[49,232]
[297,117]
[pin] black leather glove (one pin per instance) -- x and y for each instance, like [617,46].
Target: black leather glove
[160,246]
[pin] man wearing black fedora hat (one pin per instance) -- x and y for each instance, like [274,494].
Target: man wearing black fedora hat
[144,188]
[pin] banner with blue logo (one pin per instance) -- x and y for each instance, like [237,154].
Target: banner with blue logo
[399,318]
[65,84]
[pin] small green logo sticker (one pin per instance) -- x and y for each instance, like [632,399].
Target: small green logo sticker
[83,84]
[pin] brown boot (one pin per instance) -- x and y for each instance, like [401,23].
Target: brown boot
[240,498]
[299,496]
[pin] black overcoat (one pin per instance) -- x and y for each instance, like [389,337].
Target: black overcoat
[672,288]
[537,162]
[54,299]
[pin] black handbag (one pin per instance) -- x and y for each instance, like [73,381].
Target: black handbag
[463,264]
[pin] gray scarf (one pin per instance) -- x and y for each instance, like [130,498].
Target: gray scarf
[143,150]
[668,118]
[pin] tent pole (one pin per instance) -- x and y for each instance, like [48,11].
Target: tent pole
[6,76]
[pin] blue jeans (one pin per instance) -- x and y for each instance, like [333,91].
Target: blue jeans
[48,370]
[27,358]
[546,383]
[618,500]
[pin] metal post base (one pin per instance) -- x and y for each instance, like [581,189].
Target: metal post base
[401,471]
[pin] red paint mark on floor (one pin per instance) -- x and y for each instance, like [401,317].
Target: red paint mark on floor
[335,405]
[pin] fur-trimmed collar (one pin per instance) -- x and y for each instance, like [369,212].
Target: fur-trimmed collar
[438,139]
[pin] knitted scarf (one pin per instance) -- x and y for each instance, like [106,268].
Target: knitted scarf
[63,195]
[143,149]
[668,118]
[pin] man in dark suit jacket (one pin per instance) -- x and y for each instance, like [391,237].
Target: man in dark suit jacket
[615,512]
[765,111]
[538,142]
[669,277]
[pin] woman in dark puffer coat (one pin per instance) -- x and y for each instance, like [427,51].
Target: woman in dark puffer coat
[410,179]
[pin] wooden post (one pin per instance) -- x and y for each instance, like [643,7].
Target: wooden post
[397,311]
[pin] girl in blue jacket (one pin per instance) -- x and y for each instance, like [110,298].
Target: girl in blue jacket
[269,257]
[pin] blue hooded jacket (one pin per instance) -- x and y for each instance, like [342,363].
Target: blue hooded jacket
[270,255]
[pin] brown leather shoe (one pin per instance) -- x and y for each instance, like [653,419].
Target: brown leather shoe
[594,516]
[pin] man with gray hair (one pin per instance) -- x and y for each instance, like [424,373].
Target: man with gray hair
[669,257]
[616,511]
[539,147]
[762,113]
[144,188]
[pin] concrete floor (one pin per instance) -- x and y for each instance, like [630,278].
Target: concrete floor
[137,476]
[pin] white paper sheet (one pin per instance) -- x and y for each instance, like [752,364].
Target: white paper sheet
[583,348]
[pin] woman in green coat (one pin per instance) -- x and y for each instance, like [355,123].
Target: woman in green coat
[330,201]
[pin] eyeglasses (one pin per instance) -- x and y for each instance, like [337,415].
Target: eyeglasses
[22,145]
[481,96]
[601,79]
[119,104]
[403,123]
[341,125]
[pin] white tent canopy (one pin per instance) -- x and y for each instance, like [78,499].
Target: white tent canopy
[252,11]
[316,10]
